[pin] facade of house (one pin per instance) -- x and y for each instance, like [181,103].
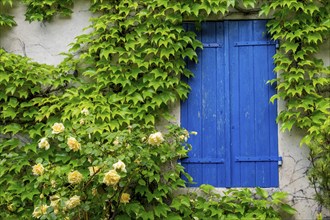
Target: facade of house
[229,103]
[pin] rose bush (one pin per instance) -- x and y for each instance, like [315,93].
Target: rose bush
[102,176]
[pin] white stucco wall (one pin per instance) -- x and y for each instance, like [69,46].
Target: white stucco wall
[43,42]
[295,163]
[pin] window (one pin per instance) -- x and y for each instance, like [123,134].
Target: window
[229,107]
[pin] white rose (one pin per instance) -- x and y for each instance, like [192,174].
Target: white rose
[75,177]
[57,128]
[73,144]
[73,202]
[156,139]
[85,112]
[43,143]
[38,169]
[111,178]
[119,166]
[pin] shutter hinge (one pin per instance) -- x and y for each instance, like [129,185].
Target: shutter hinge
[212,45]
[203,160]
[259,159]
[254,43]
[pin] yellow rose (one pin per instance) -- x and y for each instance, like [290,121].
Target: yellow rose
[94,191]
[43,143]
[36,213]
[43,209]
[85,112]
[116,142]
[93,170]
[11,207]
[137,161]
[111,178]
[38,169]
[125,197]
[73,144]
[39,211]
[57,128]
[119,166]
[73,202]
[54,200]
[183,138]
[56,210]
[156,139]
[75,177]
[53,183]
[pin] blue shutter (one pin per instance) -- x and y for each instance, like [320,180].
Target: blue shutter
[205,110]
[229,107]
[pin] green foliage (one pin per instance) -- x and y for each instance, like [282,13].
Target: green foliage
[30,95]
[232,204]
[117,80]
[5,19]
[39,10]
[304,82]
[134,62]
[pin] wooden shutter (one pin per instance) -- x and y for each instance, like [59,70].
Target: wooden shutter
[229,107]
[205,109]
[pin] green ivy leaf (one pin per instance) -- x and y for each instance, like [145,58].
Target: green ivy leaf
[290,46]
[9,113]
[288,209]
[14,128]
[261,192]
[206,188]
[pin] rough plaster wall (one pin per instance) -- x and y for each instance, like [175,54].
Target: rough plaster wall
[295,164]
[292,174]
[44,41]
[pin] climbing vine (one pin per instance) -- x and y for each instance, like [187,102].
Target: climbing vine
[304,82]
[98,108]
